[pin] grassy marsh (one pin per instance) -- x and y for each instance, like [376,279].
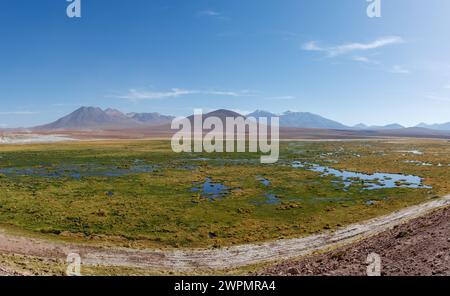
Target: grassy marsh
[159,209]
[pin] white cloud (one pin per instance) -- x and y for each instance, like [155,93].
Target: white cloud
[447,86]
[281,98]
[360,59]
[312,46]
[18,113]
[346,48]
[227,93]
[212,14]
[137,95]
[397,69]
[66,105]
[365,60]
[209,12]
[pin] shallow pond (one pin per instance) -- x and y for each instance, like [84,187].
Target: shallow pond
[78,171]
[272,199]
[263,180]
[211,190]
[370,181]
[269,199]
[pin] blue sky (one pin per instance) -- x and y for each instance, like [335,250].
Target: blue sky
[170,56]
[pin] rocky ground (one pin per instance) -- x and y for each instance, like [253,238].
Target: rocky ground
[419,247]
[6,272]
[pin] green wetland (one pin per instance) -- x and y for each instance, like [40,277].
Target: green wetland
[141,194]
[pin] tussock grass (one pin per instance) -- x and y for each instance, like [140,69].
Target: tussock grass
[158,209]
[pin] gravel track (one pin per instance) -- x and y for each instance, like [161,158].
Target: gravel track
[186,260]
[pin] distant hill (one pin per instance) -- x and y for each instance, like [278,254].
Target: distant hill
[301,120]
[415,132]
[88,118]
[308,120]
[94,118]
[115,113]
[261,113]
[151,118]
[393,126]
[221,113]
[361,126]
[440,127]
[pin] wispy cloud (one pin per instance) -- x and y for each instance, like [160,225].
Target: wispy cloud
[18,113]
[137,95]
[312,46]
[212,13]
[208,12]
[281,98]
[66,105]
[342,49]
[244,93]
[397,69]
[447,86]
[361,59]
[366,60]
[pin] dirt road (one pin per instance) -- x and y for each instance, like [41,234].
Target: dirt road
[7,272]
[420,247]
[214,259]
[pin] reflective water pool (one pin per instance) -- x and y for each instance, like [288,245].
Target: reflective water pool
[369,181]
[263,180]
[272,199]
[211,190]
[78,171]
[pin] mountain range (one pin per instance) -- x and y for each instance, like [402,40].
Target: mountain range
[440,127]
[300,120]
[86,118]
[94,118]
[392,126]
